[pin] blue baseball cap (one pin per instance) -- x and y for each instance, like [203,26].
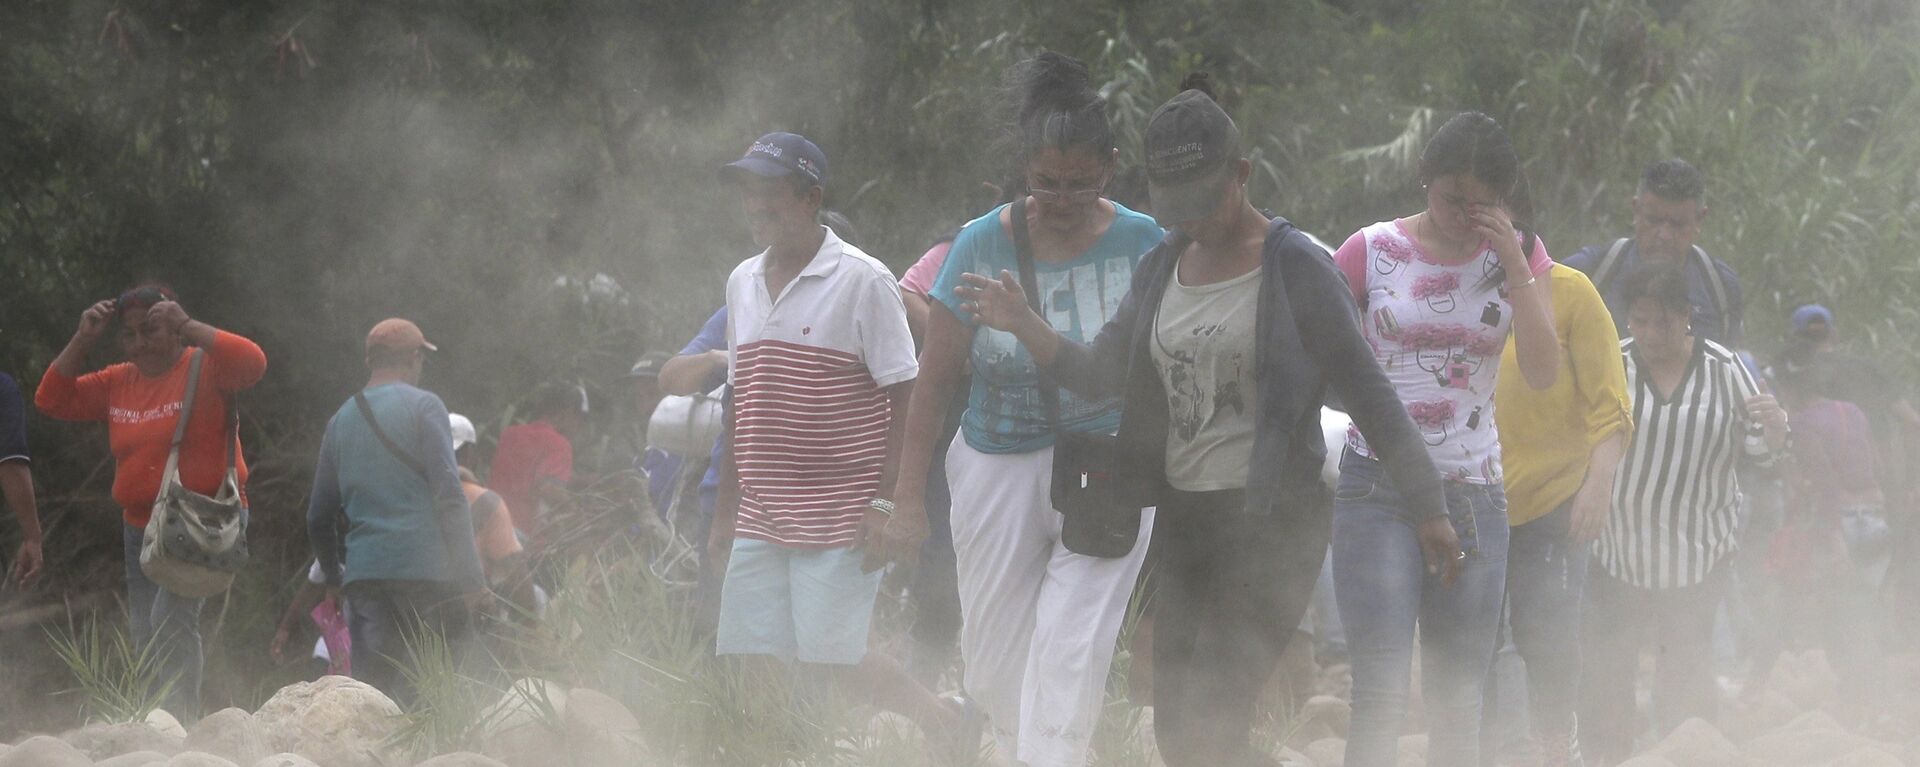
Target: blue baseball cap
[778,155]
[1806,315]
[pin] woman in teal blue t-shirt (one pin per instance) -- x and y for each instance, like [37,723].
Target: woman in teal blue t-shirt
[1038,621]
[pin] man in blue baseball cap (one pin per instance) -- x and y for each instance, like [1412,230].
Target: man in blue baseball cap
[820,361]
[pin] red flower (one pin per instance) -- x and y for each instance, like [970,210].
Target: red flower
[1435,284]
[1431,414]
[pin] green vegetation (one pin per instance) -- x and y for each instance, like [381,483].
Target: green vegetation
[117,681]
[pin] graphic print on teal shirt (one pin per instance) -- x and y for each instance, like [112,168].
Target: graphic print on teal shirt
[1005,412]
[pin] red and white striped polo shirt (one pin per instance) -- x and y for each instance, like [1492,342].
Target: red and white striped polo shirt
[809,371]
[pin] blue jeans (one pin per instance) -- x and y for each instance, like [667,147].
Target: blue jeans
[384,618]
[168,622]
[1383,590]
[1546,574]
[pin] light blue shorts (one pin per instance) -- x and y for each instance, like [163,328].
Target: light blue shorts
[809,605]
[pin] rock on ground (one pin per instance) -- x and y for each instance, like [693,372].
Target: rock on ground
[44,751]
[160,720]
[525,727]
[1329,710]
[336,721]
[230,734]
[1329,752]
[135,759]
[1806,678]
[285,760]
[601,731]
[199,759]
[1812,739]
[1696,743]
[102,741]
[462,759]
[1769,710]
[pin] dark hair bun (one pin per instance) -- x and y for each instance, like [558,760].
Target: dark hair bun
[1199,81]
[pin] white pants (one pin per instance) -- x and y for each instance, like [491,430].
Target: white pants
[1039,622]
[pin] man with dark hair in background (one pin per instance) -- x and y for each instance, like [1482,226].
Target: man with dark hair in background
[16,480]
[533,463]
[1668,208]
[388,520]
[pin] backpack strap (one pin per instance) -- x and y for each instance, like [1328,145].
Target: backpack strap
[1717,287]
[366,412]
[1609,264]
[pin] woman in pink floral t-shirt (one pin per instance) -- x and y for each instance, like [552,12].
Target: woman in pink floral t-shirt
[1439,292]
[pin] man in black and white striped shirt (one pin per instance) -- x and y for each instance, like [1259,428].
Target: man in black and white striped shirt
[1659,566]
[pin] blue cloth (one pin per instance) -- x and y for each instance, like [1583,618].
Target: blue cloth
[1708,323]
[712,336]
[1381,583]
[809,605]
[13,421]
[392,523]
[662,470]
[383,621]
[1005,412]
[167,622]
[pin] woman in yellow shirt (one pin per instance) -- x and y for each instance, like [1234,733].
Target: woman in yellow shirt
[1560,448]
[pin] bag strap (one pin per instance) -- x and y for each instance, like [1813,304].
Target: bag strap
[366,412]
[1609,263]
[1717,287]
[186,411]
[1023,253]
[186,402]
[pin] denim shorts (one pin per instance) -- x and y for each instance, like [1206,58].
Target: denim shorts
[809,605]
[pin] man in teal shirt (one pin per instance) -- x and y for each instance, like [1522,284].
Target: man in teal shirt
[388,521]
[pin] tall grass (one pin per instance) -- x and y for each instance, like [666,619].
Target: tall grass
[117,681]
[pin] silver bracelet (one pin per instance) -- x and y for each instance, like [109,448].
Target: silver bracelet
[882,505]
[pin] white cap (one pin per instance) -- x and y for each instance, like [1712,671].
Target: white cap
[463,433]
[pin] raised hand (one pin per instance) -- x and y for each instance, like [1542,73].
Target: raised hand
[168,314]
[999,304]
[95,321]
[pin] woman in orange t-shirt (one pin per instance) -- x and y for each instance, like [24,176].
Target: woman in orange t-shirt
[140,399]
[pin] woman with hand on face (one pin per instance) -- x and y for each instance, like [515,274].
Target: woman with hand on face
[1232,331]
[1439,293]
[141,399]
[1661,567]
[1038,621]
[1560,448]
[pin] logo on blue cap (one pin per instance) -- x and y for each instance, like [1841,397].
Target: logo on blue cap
[776,155]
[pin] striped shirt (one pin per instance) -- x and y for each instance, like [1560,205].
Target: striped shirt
[1677,496]
[811,412]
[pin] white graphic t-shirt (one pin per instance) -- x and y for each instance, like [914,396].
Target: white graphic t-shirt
[1437,330]
[1203,349]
